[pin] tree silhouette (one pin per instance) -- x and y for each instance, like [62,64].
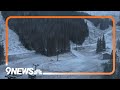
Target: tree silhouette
[1,54]
[101,45]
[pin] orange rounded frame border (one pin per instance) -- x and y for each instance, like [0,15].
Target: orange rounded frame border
[68,73]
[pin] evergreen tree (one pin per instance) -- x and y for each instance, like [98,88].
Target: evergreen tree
[98,46]
[103,43]
[111,55]
[108,68]
[1,54]
[118,44]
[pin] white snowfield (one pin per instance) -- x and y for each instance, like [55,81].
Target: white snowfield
[15,46]
[84,59]
[115,14]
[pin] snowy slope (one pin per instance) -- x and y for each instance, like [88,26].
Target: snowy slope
[82,60]
[74,61]
[108,34]
[115,14]
[95,33]
[15,46]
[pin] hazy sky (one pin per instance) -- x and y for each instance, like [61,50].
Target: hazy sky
[103,12]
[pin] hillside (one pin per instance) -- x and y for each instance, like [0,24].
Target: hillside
[82,60]
[15,46]
[103,23]
[50,40]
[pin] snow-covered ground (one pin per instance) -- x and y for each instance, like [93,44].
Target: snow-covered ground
[15,46]
[68,62]
[83,60]
[76,61]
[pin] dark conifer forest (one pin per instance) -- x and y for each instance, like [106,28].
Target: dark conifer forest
[49,36]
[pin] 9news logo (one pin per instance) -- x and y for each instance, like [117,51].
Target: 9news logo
[23,71]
